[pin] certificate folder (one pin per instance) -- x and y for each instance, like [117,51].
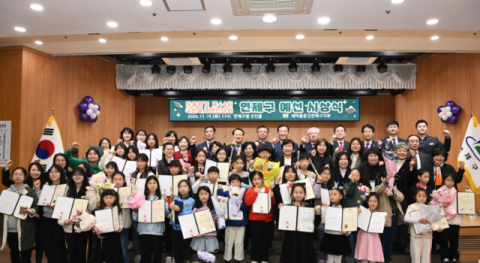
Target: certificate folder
[371,222]
[223,167]
[262,204]
[50,193]
[294,218]
[123,193]
[154,156]
[109,218]
[127,167]
[197,223]
[67,207]
[341,218]
[169,183]
[152,212]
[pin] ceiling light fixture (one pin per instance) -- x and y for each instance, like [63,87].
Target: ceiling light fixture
[434,38]
[187,69]
[432,21]
[360,69]
[112,24]
[382,67]
[247,67]
[36,7]
[20,29]
[299,37]
[216,21]
[338,68]
[323,20]
[293,66]
[316,66]
[397,1]
[370,37]
[227,68]
[270,68]
[171,70]
[101,40]
[38,42]
[164,39]
[206,67]
[155,68]
[146,2]
[269,19]
[233,37]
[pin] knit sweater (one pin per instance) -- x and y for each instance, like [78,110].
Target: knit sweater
[250,197]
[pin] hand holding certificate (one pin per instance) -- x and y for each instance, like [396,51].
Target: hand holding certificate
[262,204]
[338,219]
[293,218]
[152,212]
[371,222]
[197,223]
[106,220]
[50,193]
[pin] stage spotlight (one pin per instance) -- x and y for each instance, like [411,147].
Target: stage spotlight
[155,68]
[247,67]
[382,67]
[206,67]
[171,70]
[361,69]
[316,66]
[270,68]
[227,67]
[187,69]
[338,68]
[293,66]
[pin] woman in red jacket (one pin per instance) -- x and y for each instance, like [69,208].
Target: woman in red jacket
[186,150]
[261,199]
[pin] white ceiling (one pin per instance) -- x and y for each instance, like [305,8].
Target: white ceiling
[67,17]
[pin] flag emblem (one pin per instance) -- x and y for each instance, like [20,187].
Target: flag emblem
[470,154]
[49,145]
[45,149]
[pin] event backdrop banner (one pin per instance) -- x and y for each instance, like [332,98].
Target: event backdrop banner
[266,110]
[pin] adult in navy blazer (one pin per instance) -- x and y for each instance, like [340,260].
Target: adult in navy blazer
[282,131]
[422,160]
[312,139]
[209,138]
[389,143]
[262,134]
[439,157]
[236,145]
[338,139]
[428,143]
[368,132]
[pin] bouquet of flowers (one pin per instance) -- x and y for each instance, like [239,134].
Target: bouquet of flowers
[102,187]
[268,169]
[236,196]
[31,211]
[205,256]
[98,178]
[135,200]
[390,158]
[444,195]
[83,221]
[364,189]
[220,204]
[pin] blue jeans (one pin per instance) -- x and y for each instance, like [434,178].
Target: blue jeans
[135,240]
[387,239]
[320,254]
[352,239]
[124,242]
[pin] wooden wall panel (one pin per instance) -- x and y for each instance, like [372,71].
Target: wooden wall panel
[151,113]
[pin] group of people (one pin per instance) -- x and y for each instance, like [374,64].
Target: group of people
[338,165]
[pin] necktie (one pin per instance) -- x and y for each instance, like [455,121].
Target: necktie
[341,146]
[438,174]
[367,147]
[394,142]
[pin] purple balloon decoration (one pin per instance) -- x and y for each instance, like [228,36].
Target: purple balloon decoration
[445,121]
[439,109]
[450,104]
[84,117]
[92,120]
[88,100]
[82,106]
[453,119]
[456,110]
[98,106]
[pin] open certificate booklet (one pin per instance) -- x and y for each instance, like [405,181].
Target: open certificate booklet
[108,218]
[169,183]
[154,156]
[341,218]
[196,223]
[371,222]
[262,204]
[152,212]
[293,218]
[123,193]
[223,167]
[127,167]
[11,202]
[67,207]
[50,193]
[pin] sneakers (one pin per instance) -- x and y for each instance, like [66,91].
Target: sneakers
[138,258]
[446,260]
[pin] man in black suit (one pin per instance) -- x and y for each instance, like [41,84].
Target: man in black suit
[422,160]
[312,137]
[283,131]
[236,145]
[428,143]
[389,143]
[262,134]
[338,139]
[209,138]
[368,131]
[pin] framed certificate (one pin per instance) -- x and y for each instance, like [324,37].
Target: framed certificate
[341,218]
[108,218]
[293,218]
[262,204]
[50,193]
[152,212]
[371,222]
[465,203]
[67,207]
[8,202]
[123,193]
[196,223]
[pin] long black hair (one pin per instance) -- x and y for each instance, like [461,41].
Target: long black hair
[342,201]
[72,187]
[188,142]
[175,135]
[198,203]
[123,176]
[116,203]
[286,169]
[42,174]
[59,169]
[125,151]
[88,169]
[157,192]
[139,131]
[361,153]
[129,130]
[190,191]
[141,157]
[254,147]
[226,154]
[330,182]
[105,139]
[115,167]
[195,161]
[373,195]
[155,138]
[134,148]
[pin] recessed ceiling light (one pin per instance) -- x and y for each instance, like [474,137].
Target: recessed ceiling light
[101,40]
[269,19]
[370,37]
[434,38]
[299,36]
[38,42]
[216,21]
[397,1]
[432,21]
[146,2]
[323,20]
[20,29]
[233,37]
[112,24]
[164,39]
[36,7]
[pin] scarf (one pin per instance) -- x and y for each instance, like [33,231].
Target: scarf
[438,174]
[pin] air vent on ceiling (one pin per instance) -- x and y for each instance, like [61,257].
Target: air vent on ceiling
[355,61]
[277,7]
[182,61]
[184,5]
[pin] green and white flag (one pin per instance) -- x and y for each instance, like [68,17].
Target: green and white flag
[470,154]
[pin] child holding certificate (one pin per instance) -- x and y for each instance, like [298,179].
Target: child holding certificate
[119,151]
[132,153]
[110,246]
[322,183]
[423,176]
[335,243]
[142,170]
[53,234]
[239,168]
[119,181]
[304,164]
[18,233]
[77,241]
[297,246]
[141,139]
[221,155]
[110,170]
[235,231]
[260,224]
[213,174]
[368,244]
[207,242]
[151,234]
[183,204]
[198,168]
